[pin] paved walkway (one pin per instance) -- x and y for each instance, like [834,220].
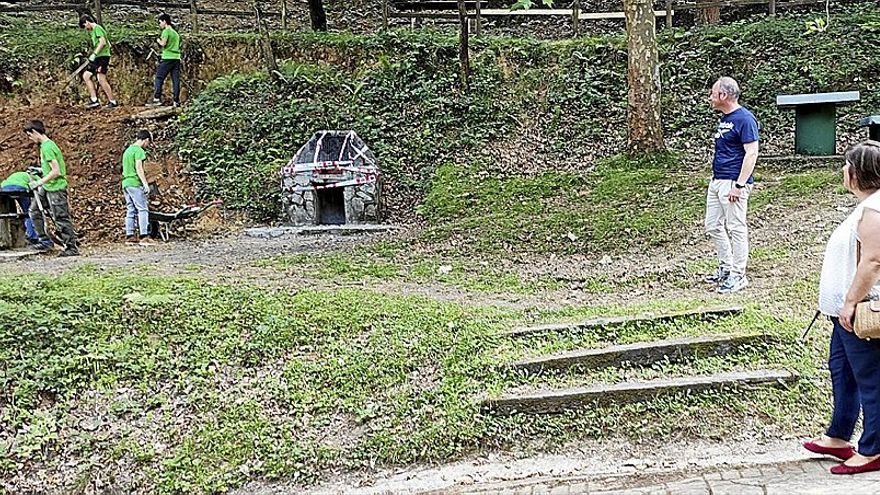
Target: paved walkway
[794,478]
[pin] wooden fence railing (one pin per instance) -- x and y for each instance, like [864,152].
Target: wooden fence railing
[477,13]
[96,8]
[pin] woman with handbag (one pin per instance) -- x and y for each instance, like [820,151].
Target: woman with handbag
[850,272]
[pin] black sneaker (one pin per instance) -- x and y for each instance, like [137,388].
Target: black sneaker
[39,246]
[69,252]
[112,104]
[93,104]
[155,102]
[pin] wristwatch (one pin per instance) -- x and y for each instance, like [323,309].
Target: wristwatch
[738,185]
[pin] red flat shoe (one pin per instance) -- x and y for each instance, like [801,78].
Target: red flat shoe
[842,453]
[864,468]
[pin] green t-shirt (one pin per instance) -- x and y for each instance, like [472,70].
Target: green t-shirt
[98,33]
[129,166]
[172,44]
[21,179]
[49,151]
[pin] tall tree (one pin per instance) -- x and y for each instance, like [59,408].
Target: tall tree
[645,130]
[317,15]
[708,15]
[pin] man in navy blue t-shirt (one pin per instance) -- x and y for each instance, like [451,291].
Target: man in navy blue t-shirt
[736,151]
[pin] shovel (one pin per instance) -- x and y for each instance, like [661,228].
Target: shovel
[73,77]
[51,236]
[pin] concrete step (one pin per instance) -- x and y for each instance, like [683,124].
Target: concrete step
[641,353]
[554,401]
[703,314]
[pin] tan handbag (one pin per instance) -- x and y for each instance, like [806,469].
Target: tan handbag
[867,322]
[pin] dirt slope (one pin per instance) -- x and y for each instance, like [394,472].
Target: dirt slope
[93,142]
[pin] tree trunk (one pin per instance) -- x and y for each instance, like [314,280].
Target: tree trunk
[645,132]
[464,48]
[708,15]
[265,43]
[317,15]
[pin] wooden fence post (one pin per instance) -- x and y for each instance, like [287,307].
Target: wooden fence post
[464,49]
[576,17]
[283,14]
[194,14]
[98,16]
[668,14]
[772,7]
[265,42]
[478,26]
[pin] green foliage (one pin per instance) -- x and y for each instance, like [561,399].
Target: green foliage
[408,109]
[623,201]
[336,354]
[399,91]
[768,58]
[211,385]
[527,4]
[47,47]
[387,261]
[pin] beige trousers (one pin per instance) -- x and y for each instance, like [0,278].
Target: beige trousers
[726,225]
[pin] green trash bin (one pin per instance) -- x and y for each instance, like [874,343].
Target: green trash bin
[873,125]
[816,120]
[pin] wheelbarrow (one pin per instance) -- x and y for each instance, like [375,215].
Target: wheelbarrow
[160,223]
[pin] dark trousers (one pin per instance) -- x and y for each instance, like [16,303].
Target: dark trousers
[56,203]
[167,66]
[855,380]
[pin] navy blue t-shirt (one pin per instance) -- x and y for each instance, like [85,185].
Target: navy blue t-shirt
[734,130]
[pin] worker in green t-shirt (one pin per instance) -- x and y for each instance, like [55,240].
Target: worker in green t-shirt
[18,182]
[136,189]
[99,62]
[169,40]
[51,190]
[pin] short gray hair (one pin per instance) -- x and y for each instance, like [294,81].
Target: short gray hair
[729,86]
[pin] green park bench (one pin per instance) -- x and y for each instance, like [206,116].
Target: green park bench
[873,125]
[816,120]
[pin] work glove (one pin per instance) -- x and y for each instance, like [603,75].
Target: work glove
[92,57]
[146,190]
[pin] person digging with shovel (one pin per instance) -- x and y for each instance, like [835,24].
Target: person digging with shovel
[169,40]
[99,62]
[18,182]
[50,190]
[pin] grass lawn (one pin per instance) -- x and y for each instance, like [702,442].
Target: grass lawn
[196,388]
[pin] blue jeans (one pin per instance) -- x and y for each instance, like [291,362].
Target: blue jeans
[136,210]
[25,205]
[855,380]
[166,66]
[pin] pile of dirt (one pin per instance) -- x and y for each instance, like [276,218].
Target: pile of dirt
[92,142]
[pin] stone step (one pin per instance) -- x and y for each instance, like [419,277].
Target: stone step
[554,401]
[641,353]
[624,320]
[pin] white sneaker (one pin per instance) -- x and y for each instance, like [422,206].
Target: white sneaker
[734,283]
